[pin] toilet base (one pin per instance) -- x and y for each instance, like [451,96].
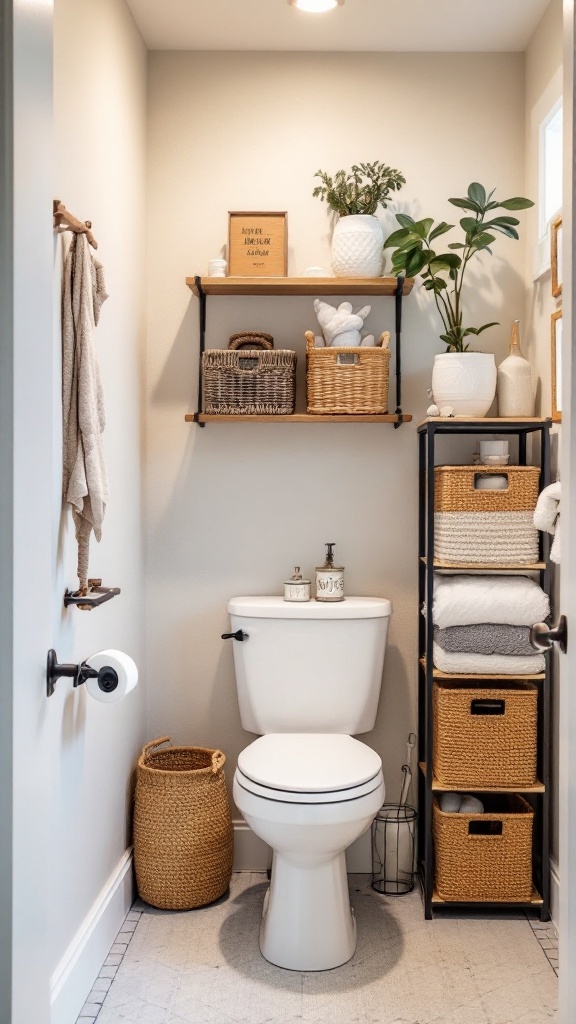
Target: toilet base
[307,921]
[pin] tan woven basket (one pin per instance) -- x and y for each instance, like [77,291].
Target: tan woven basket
[485,737]
[249,381]
[346,380]
[182,827]
[485,857]
[454,489]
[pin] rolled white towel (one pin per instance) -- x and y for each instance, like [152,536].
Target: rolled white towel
[468,600]
[471,805]
[547,509]
[450,803]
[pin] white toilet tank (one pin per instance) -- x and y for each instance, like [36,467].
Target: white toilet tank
[309,667]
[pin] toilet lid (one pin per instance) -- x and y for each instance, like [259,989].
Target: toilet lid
[309,762]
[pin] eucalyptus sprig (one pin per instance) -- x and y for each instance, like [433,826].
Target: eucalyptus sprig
[443,274]
[361,190]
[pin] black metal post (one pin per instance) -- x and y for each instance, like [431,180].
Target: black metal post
[398,304]
[202,316]
[429,669]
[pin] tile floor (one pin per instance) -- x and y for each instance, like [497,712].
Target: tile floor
[204,967]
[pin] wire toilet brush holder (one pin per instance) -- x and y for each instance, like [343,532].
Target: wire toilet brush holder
[394,849]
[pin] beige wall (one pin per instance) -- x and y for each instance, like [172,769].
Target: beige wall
[100,124]
[231,508]
[543,89]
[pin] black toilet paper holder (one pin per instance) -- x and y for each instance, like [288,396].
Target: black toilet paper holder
[107,676]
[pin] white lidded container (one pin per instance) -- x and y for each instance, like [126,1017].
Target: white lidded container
[297,588]
[309,667]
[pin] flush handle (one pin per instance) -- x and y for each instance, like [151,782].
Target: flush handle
[543,637]
[238,635]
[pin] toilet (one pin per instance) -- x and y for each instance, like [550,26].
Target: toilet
[308,677]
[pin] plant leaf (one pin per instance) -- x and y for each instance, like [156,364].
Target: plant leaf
[396,237]
[440,229]
[482,241]
[494,323]
[405,220]
[465,204]
[422,227]
[477,193]
[517,203]
[456,245]
[502,220]
[415,263]
[446,261]
[470,226]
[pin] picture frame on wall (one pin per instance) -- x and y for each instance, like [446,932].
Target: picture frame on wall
[257,244]
[556,347]
[556,256]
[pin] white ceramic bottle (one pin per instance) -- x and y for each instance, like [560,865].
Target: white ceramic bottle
[330,578]
[515,397]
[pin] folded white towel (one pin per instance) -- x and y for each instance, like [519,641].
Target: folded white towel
[488,664]
[547,516]
[468,600]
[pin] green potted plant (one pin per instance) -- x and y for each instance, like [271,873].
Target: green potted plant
[464,380]
[355,196]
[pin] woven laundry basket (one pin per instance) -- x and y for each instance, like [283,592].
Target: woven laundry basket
[249,381]
[347,380]
[485,857]
[485,737]
[183,841]
[485,527]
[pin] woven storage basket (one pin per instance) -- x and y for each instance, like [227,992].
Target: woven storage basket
[485,857]
[182,827]
[249,381]
[485,737]
[485,527]
[346,380]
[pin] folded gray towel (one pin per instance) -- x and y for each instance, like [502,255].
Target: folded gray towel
[485,638]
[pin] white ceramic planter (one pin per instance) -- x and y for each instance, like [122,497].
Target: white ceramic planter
[357,246]
[466,381]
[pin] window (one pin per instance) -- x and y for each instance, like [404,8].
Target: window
[550,187]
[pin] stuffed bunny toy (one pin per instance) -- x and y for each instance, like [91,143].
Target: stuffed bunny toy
[341,326]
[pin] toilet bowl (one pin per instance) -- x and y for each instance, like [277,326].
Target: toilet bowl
[308,678]
[309,797]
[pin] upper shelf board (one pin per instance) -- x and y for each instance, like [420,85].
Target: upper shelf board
[299,285]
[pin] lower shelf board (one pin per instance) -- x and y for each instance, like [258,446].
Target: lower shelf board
[535,901]
[438,787]
[299,417]
[437,674]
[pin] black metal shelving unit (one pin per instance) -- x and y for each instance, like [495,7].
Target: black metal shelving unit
[538,795]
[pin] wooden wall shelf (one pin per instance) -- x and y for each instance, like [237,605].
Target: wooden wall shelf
[298,285]
[297,417]
[438,787]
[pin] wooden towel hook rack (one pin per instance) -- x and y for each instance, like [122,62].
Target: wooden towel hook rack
[64,221]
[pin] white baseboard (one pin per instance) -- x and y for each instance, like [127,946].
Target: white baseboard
[74,976]
[555,893]
[252,854]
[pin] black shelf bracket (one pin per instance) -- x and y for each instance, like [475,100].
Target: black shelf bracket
[398,325]
[202,325]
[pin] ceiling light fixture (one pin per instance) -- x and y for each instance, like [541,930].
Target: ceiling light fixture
[316,6]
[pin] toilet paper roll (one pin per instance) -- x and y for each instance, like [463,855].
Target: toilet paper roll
[103,688]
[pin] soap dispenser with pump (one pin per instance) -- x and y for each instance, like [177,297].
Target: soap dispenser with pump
[330,578]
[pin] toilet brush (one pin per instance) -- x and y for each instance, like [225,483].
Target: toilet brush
[406,784]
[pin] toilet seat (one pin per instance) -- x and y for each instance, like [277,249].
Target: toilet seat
[309,768]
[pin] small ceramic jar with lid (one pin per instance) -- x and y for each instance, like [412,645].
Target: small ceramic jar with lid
[297,588]
[329,578]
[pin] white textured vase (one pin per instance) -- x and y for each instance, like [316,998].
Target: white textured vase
[357,246]
[466,381]
[515,396]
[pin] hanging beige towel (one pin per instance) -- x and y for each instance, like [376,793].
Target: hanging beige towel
[85,483]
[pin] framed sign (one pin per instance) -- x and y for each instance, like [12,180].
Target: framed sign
[556,341]
[556,256]
[257,244]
